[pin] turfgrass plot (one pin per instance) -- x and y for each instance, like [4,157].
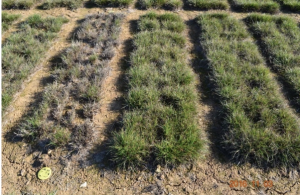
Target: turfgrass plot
[292,5]
[161,119]
[167,4]
[113,3]
[280,38]
[64,118]
[208,4]
[70,4]
[268,6]
[19,4]
[8,19]
[260,128]
[22,51]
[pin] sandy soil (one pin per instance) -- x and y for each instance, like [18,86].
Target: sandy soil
[212,174]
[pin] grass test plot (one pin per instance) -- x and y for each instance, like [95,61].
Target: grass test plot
[8,19]
[22,50]
[70,4]
[268,6]
[167,4]
[113,3]
[160,122]
[64,118]
[292,5]
[280,39]
[19,4]
[260,128]
[208,4]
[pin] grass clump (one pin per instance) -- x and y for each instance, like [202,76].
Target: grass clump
[292,5]
[19,4]
[167,4]
[267,6]
[64,118]
[161,119]
[113,3]
[206,5]
[8,19]
[280,40]
[261,129]
[23,50]
[70,4]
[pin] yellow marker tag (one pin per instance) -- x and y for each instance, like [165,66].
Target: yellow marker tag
[44,173]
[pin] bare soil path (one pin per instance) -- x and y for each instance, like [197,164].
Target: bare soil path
[211,175]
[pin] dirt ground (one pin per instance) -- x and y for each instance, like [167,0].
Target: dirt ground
[212,174]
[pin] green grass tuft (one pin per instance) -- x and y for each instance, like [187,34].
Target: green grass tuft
[292,5]
[19,4]
[261,129]
[161,120]
[206,5]
[113,3]
[70,4]
[267,6]
[8,19]
[167,4]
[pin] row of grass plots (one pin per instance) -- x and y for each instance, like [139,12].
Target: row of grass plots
[280,40]
[268,6]
[70,4]
[292,5]
[211,4]
[160,123]
[261,129]
[8,19]
[22,51]
[65,115]
[19,4]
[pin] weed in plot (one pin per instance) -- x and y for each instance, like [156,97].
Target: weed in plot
[19,4]
[8,19]
[23,50]
[65,116]
[167,4]
[268,6]
[280,38]
[260,128]
[206,5]
[160,122]
[70,4]
[113,3]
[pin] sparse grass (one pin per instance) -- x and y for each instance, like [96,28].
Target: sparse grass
[23,50]
[268,6]
[70,4]
[65,116]
[261,129]
[8,19]
[280,38]
[292,5]
[161,117]
[208,4]
[167,4]
[19,4]
[113,3]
